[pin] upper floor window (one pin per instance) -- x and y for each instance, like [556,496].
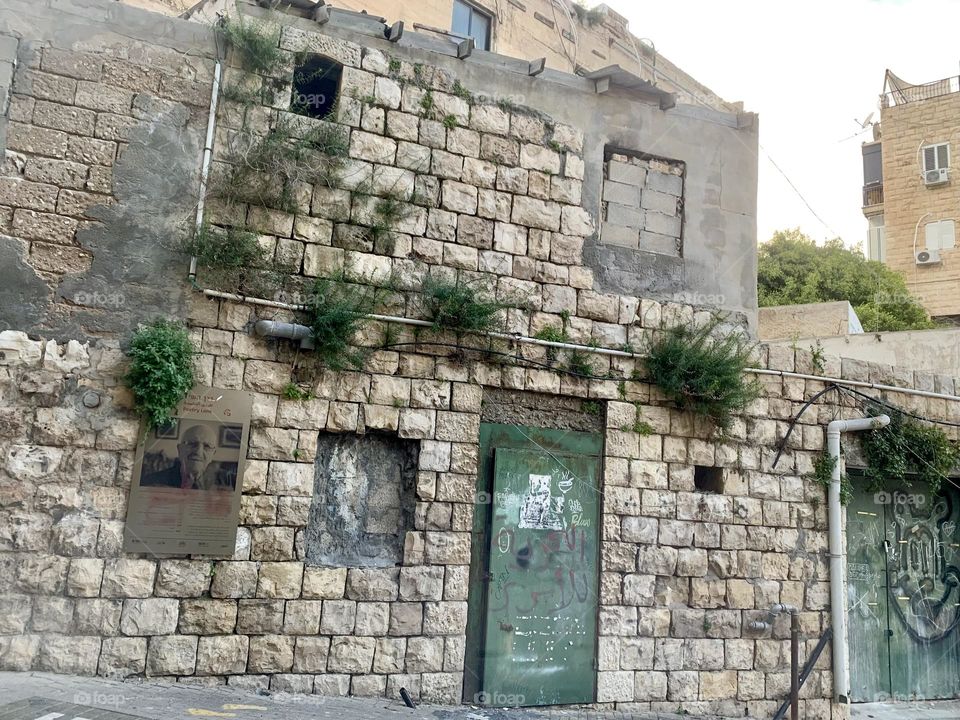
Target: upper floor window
[936,157]
[876,240]
[470,21]
[872,164]
[940,235]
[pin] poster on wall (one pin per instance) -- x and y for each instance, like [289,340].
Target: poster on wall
[187,477]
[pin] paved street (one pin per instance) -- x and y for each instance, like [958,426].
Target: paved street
[43,696]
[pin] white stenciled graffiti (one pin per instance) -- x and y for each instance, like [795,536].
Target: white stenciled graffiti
[540,510]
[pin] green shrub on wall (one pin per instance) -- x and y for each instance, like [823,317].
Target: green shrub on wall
[702,372]
[905,450]
[161,370]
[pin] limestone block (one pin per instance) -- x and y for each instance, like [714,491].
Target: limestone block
[84,577]
[75,655]
[444,618]
[339,617]
[270,653]
[98,617]
[271,543]
[207,617]
[615,686]
[183,578]
[302,617]
[122,656]
[718,685]
[537,213]
[421,583]
[372,584]
[324,583]
[683,686]
[257,617]
[280,580]
[424,654]
[171,655]
[151,616]
[459,197]
[351,654]
[310,654]
[490,119]
[406,618]
[234,580]
[373,618]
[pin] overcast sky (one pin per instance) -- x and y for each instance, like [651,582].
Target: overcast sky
[809,69]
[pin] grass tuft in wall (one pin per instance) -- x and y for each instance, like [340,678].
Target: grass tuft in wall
[161,370]
[256,44]
[459,307]
[337,312]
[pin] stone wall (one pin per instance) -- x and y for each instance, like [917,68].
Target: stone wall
[104,133]
[502,196]
[811,320]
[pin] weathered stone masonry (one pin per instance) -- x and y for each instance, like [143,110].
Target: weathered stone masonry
[509,198]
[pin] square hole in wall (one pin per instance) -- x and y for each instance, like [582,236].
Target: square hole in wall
[363,500]
[316,86]
[708,479]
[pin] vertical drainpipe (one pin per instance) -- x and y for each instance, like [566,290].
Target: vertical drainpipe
[838,605]
[207,152]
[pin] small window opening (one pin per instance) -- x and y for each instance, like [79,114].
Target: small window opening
[708,479]
[316,86]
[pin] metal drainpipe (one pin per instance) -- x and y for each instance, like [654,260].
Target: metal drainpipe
[838,605]
[207,154]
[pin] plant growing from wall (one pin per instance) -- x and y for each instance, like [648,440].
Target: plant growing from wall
[256,44]
[702,372]
[233,259]
[337,311]
[268,170]
[905,450]
[823,475]
[161,370]
[293,391]
[459,306]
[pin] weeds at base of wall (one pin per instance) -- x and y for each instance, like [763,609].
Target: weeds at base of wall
[161,370]
[700,372]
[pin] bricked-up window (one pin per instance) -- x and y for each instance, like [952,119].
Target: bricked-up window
[316,86]
[643,202]
[363,500]
[708,479]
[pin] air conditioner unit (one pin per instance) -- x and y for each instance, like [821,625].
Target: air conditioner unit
[928,257]
[936,177]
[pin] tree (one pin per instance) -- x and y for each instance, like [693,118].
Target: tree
[792,269]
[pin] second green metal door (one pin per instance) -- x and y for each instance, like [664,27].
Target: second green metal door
[903,569]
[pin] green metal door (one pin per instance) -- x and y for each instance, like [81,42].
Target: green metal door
[923,568]
[867,620]
[904,556]
[541,623]
[531,632]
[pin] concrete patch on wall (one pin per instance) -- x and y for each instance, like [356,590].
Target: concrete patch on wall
[507,407]
[363,500]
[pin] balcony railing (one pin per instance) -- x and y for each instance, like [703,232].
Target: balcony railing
[901,94]
[872,195]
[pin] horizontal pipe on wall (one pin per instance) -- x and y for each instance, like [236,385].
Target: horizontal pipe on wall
[525,339]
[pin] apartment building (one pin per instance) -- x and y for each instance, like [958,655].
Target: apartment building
[911,194]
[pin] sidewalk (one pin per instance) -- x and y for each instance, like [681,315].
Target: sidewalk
[43,696]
